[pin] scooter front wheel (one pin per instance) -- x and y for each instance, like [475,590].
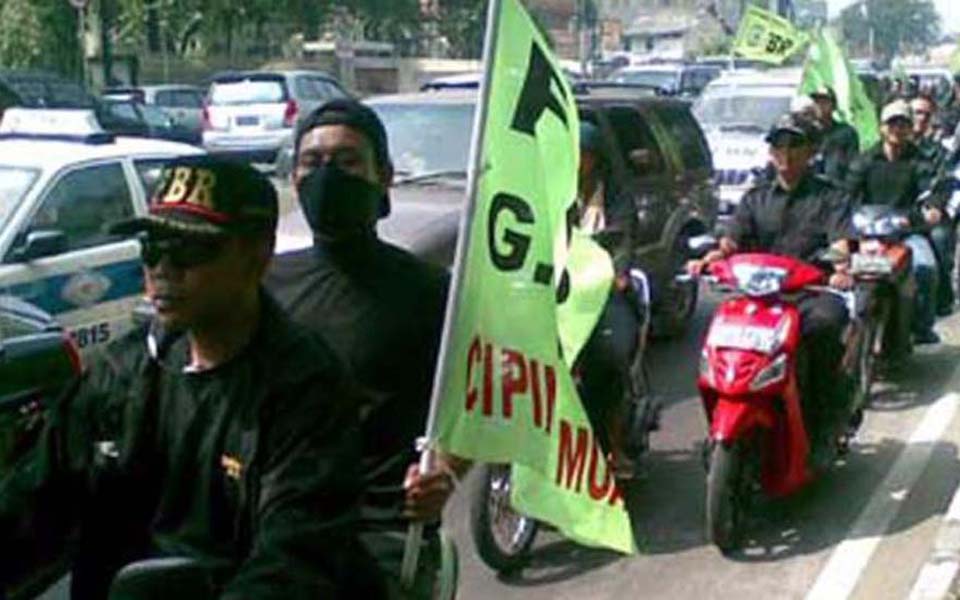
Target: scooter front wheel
[724,496]
[502,536]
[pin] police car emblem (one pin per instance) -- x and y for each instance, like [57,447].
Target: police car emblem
[85,288]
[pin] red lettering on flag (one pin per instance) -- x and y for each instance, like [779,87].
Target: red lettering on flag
[488,379]
[513,379]
[572,459]
[598,492]
[474,356]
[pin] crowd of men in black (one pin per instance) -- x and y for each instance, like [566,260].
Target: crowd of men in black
[263,424]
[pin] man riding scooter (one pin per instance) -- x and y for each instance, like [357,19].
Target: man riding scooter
[896,174]
[607,358]
[798,214]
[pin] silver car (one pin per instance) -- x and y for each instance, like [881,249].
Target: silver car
[251,114]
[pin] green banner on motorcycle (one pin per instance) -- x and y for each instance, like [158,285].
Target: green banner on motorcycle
[528,290]
[828,66]
[768,37]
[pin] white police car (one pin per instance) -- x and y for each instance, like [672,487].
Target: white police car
[62,179]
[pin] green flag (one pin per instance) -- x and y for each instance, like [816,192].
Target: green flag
[766,36]
[827,66]
[525,287]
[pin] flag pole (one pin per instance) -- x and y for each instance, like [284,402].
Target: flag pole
[411,553]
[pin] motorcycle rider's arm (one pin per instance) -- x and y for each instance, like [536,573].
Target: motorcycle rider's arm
[304,539]
[40,498]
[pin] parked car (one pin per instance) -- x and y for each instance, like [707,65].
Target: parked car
[658,156]
[250,114]
[735,112]
[132,117]
[680,79]
[184,103]
[36,89]
[937,80]
[61,180]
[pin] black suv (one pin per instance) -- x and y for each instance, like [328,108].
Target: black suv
[36,89]
[659,156]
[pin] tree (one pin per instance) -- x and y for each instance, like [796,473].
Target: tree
[39,34]
[21,38]
[897,25]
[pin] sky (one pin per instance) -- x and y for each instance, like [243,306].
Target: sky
[949,12]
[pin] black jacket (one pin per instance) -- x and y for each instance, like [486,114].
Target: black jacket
[381,309]
[839,147]
[796,223]
[875,180]
[250,467]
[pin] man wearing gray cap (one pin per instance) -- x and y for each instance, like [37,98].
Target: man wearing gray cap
[799,214]
[895,173]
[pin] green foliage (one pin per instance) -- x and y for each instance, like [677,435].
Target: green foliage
[39,34]
[21,37]
[897,25]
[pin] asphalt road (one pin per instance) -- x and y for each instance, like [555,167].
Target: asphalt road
[863,530]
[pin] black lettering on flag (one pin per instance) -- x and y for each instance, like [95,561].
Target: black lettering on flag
[538,94]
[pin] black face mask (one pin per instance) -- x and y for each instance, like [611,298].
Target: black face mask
[338,205]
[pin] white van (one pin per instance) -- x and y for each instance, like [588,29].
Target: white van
[736,111]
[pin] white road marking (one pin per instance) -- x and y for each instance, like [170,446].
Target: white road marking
[938,574]
[839,577]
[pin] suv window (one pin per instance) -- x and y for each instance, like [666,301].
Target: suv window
[636,140]
[82,202]
[683,129]
[252,90]
[179,99]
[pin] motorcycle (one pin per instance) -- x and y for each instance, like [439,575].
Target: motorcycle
[749,385]
[503,536]
[881,266]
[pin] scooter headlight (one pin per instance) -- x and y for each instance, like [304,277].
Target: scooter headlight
[706,372]
[772,373]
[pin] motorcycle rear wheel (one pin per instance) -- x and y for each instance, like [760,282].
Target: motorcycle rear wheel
[725,497]
[502,536]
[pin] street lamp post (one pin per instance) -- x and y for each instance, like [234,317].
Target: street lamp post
[80,6]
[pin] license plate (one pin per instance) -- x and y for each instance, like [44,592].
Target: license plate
[743,337]
[247,121]
[871,264]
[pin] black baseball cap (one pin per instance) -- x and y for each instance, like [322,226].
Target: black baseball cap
[355,115]
[207,196]
[796,124]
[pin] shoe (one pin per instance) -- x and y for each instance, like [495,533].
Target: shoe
[945,310]
[624,467]
[927,337]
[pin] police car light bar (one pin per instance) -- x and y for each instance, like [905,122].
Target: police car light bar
[64,124]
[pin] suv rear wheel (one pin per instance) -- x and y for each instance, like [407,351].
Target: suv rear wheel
[678,302]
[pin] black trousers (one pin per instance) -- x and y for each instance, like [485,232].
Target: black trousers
[605,364]
[823,318]
[944,240]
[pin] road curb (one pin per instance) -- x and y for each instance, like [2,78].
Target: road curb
[939,579]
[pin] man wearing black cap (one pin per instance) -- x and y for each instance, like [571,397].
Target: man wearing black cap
[219,433]
[840,143]
[799,214]
[379,307]
[895,173]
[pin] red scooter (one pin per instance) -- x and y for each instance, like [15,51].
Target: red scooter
[748,382]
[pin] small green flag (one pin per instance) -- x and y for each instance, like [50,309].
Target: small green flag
[766,36]
[828,66]
[526,287]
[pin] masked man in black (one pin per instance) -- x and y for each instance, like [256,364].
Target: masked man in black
[220,435]
[379,307]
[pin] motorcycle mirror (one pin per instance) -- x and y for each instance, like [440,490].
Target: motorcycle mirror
[700,245]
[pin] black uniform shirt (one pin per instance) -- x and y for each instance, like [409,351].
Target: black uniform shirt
[250,466]
[840,146]
[381,309]
[875,180]
[794,223]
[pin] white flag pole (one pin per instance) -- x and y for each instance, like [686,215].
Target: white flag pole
[411,553]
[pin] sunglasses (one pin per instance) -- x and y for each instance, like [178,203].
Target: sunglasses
[182,253]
